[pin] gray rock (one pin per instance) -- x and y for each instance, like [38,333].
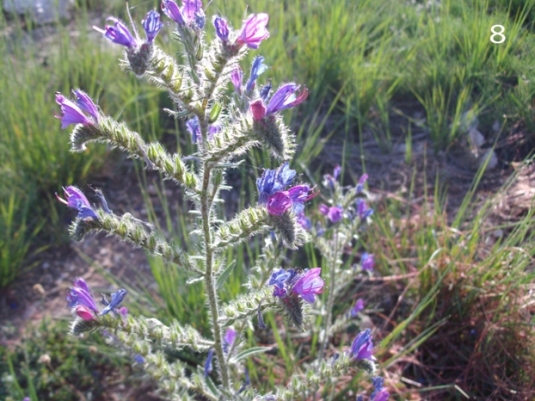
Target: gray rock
[41,11]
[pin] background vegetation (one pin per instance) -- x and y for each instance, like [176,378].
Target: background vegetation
[456,319]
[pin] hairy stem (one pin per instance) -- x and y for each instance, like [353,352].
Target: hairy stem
[330,299]
[209,278]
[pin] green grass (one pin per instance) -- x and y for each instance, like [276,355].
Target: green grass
[51,365]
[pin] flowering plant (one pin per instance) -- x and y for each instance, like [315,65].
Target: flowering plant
[223,128]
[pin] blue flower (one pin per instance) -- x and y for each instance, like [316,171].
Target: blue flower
[116,298]
[221,28]
[273,181]
[367,261]
[208,363]
[152,25]
[76,199]
[362,346]
[256,70]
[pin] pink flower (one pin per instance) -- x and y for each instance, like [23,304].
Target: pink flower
[309,284]
[84,313]
[254,30]
[258,108]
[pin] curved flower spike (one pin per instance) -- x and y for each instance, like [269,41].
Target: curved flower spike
[309,285]
[254,31]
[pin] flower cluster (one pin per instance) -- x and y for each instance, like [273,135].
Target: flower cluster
[273,194]
[379,392]
[76,199]
[362,346]
[82,303]
[292,285]
[306,284]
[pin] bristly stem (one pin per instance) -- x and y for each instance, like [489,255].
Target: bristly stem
[330,299]
[209,278]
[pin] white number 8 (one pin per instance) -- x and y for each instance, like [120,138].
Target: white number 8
[497,34]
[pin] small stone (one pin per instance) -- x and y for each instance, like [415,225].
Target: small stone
[44,359]
[38,288]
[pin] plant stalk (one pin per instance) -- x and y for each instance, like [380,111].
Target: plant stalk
[209,279]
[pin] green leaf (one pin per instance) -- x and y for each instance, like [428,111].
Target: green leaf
[225,274]
[249,352]
[214,113]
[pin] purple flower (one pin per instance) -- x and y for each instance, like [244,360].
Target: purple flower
[367,261]
[334,213]
[363,211]
[79,295]
[194,129]
[309,285]
[228,340]
[359,305]
[278,203]
[362,346]
[360,184]
[304,222]
[281,277]
[256,70]
[171,9]
[236,77]
[254,31]
[330,180]
[336,172]
[379,393]
[139,359]
[273,181]
[285,98]
[299,194]
[118,33]
[116,298]
[191,11]
[265,91]
[152,25]
[221,28]
[76,199]
[208,363]
[86,103]
[70,112]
